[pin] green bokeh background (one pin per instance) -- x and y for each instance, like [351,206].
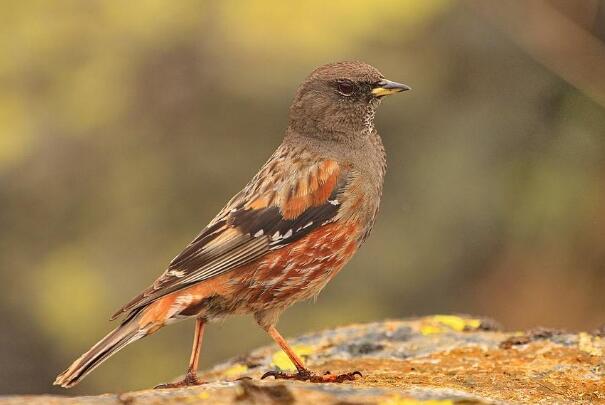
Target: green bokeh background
[125,126]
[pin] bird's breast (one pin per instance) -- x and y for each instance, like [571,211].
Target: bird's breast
[298,271]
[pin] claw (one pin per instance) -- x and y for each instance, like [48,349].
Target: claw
[188,381]
[306,375]
[279,375]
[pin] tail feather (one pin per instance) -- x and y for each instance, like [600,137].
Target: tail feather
[128,332]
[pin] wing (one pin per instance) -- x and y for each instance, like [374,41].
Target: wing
[276,208]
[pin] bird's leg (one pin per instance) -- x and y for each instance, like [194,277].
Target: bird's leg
[302,373]
[279,339]
[191,376]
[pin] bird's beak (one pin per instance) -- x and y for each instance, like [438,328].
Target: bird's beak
[387,87]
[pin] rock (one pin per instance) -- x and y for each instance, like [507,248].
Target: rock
[436,360]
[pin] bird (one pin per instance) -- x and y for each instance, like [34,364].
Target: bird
[284,236]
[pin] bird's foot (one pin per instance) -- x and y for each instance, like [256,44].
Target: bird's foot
[306,375]
[190,380]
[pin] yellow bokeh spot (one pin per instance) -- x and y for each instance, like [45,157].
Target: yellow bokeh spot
[318,27]
[69,295]
[281,360]
[15,136]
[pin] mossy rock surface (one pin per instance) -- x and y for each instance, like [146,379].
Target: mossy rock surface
[436,360]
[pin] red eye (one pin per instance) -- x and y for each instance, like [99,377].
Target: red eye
[345,87]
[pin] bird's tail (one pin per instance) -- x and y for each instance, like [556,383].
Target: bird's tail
[128,332]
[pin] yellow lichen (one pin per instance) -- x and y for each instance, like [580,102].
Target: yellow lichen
[397,400]
[586,343]
[281,360]
[441,323]
[431,329]
[235,370]
[194,399]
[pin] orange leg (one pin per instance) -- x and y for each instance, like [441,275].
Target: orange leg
[191,376]
[198,335]
[279,339]
[303,374]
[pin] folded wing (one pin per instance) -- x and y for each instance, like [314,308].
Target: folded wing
[275,209]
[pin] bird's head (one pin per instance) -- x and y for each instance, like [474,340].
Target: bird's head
[338,100]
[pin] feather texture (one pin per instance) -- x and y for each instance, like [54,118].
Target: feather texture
[276,208]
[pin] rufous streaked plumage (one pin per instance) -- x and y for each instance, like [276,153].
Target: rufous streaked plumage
[285,235]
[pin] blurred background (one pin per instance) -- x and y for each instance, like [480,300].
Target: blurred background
[125,126]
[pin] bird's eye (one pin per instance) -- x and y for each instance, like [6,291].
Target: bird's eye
[345,87]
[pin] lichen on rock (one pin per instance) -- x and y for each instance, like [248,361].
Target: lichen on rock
[435,360]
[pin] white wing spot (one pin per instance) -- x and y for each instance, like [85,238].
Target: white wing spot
[334,202]
[184,299]
[259,233]
[288,234]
